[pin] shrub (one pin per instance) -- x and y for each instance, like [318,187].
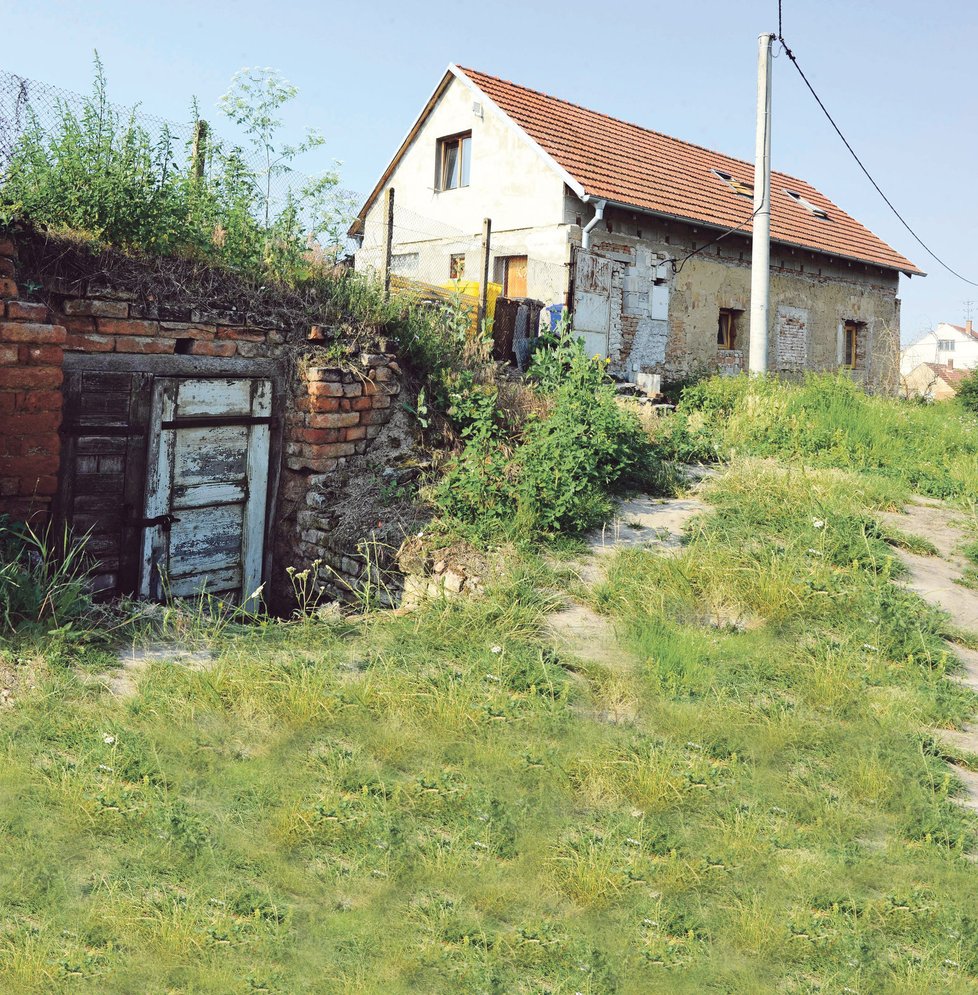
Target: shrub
[968,392]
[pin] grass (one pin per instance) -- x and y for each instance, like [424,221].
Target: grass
[426,802]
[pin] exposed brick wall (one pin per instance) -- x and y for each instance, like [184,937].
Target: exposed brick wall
[31,351]
[335,415]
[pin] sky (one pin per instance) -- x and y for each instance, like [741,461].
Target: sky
[898,77]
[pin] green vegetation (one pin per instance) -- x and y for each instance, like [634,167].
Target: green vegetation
[104,176]
[968,393]
[829,422]
[437,802]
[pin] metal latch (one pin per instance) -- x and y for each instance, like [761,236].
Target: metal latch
[163,521]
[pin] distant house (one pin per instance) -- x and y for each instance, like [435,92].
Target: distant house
[623,225]
[932,381]
[953,346]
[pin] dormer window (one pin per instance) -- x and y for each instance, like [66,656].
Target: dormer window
[454,159]
[812,209]
[739,187]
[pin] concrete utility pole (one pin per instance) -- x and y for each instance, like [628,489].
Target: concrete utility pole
[760,263]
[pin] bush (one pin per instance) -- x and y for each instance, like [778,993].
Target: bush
[968,392]
[41,581]
[554,474]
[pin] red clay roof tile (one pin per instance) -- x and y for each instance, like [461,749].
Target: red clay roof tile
[625,163]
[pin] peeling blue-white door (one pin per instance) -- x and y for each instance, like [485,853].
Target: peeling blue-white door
[206,488]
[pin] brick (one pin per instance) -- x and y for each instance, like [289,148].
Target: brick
[361,403]
[340,419]
[355,433]
[16,331]
[33,446]
[7,247]
[27,311]
[36,423]
[212,348]
[9,355]
[130,327]
[8,289]
[241,334]
[353,389]
[319,436]
[36,400]
[90,343]
[83,325]
[380,401]
[18,378]
[43,355]
[319,388]
[380,417]
[324,373]
[6,266]
[45,484]
[27,466]
[322,405]
[186,330]
[96,308]
[316,465]
[328,451]
[142,345]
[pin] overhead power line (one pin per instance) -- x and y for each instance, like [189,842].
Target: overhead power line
[859,162]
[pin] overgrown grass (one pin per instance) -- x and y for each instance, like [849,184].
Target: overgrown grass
[829,421]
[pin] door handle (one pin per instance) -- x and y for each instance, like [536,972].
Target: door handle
[163,521]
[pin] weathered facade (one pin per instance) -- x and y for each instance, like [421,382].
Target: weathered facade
[196,448]
[619,224]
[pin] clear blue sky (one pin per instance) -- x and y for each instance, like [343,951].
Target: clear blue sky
[898,76]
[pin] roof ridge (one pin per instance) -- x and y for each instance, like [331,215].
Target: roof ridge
[630,124]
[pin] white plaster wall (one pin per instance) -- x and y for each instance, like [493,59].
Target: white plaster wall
[509,182]
[925,350]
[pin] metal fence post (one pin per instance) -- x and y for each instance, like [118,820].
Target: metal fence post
[388,238]
[484,287]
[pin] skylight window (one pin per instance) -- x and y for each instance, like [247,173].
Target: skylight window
[818,212]
[739,187]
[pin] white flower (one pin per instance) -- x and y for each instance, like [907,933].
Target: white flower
[496,649]
[814,552]
[818,523]
[492,677]
[108,740]
[871,647]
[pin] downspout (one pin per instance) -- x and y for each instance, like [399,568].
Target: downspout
[599,206]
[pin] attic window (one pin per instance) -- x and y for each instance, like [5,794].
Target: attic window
[819,212]
[454,157]
[739,187]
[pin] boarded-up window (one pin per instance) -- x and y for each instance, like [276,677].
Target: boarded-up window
[514,276]
[727,328]
[851,335]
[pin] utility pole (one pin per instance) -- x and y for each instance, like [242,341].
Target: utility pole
[760,264]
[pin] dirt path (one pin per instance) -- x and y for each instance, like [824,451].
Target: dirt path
[641,522]
[936,579]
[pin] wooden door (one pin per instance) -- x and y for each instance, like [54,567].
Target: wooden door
[103,459]
[514,278]
[592,302]
[206,488]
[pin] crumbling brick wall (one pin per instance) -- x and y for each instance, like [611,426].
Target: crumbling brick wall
[338,452]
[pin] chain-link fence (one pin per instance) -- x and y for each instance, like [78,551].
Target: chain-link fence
[30,109]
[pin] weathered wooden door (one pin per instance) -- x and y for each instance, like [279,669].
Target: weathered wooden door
[592,302]
[206,487]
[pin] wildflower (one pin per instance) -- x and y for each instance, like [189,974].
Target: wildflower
[632,842]
[818,523]
[106,768]
[492,677]
[108,740]
[814,552]
[871,648]
[479,846]
[496,649]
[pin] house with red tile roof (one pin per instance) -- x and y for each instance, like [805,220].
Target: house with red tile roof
[644,237]
[948,345]
[932,381]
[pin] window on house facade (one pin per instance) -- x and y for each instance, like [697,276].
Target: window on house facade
[456,266]
[850,344]
[405,263]
[727,328]
[454,160]
[945,345]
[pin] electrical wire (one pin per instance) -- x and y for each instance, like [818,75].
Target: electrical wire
[677,269]
[859,162]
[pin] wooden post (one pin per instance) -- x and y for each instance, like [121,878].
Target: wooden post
[484,287]
[388,238]
[198,155]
